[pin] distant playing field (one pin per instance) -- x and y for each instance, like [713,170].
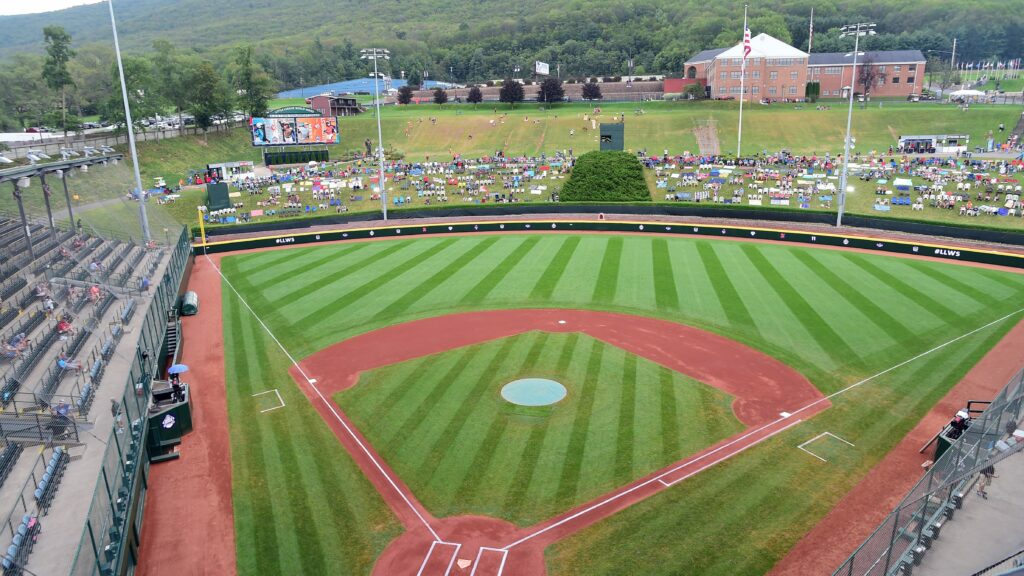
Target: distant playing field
[301,504]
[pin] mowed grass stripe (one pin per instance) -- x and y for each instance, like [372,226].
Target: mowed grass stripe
[308,288]
[325,312]
[669,414]
[665,294]
[414,294]
[970,291]
[262,261]
[875,313]
[570,478]
[627,412]
[535,444]
[608,275]
[425,366]
[248,458]
[547,282]
[309,268]
[932,305]
[819,329]
[299,510]
[730,300]
[1008,279]
[459,418]
[419,415]
[478,293]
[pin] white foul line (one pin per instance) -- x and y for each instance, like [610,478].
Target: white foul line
[618,495]
[312,384]
[279,399]
[501,567]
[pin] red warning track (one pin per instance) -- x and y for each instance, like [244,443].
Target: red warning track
[769,398]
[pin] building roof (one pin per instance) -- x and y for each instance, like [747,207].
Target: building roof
[764,46]
[877,57]
[706,55]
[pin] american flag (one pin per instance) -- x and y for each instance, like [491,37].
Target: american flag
[746,43]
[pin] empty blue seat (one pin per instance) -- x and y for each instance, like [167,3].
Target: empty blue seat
[38,494]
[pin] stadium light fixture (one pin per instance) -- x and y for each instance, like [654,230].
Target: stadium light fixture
[856,30]
[378,54]
[32,158]
[39,154]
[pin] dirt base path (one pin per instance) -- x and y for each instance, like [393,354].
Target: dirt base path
[189,527]
[846,526]
[769,397]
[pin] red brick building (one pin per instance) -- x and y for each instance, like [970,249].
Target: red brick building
[777,71]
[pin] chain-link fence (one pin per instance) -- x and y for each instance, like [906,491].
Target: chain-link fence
[906,534]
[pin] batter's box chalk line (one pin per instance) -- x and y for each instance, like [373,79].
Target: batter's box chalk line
[486,549]
[434,545]
[819,436]
[280,400]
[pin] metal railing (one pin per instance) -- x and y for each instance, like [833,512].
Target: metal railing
[906,534]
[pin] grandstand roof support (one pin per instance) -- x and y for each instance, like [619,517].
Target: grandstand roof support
[49,209]
[24,221]
[67,197]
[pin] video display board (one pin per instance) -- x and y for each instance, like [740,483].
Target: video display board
[288,131]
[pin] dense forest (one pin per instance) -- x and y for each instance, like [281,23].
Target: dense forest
[318,41]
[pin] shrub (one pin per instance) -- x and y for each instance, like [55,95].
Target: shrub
[606,177]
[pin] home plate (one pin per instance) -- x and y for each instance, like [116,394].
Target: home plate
[463,563]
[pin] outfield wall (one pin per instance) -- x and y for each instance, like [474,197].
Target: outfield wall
[882,245]
[771,214]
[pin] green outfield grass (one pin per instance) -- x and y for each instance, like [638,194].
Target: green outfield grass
[463,449]
[837,317]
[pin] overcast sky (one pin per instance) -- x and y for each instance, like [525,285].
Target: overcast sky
[8,7]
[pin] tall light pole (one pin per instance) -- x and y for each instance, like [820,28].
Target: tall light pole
[131,130]
[376,54]
[856,30]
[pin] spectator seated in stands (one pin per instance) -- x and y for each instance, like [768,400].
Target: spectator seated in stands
[64,326]
[95,266]
[61,409]
[77,243]
[94,293]
[15,346]
[48,304]
[42,290]
[65,363]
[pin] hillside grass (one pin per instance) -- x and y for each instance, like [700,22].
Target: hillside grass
[837,317]
[463,449]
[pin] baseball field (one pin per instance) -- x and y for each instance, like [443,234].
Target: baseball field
[721,396]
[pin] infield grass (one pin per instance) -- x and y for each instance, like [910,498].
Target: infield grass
[836,316]
[463,449]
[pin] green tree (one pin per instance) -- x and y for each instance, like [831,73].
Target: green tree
[405,95]
[209,95]
[592,91]
[170,72]
[143,97]
[440,96]
[511,92]
[55,68]
[550,91]
[694,91]
[475,96]
[251,83]
[415,79]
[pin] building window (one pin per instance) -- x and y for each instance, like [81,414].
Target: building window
[723,75]
[896,68]
[912,68]
[881,80]
[910,79]
[735,75]
[833,70]
[771,90]
[881,69]
[794,75]
[755,61]
[895,79]
[783,61]
[737,62]
[773,75]
[734,90]
[721,90]
[792,90]
[755,89]
[756,74]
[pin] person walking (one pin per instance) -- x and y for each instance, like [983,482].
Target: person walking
[985,480]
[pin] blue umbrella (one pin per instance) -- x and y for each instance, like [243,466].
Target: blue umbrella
[177,369]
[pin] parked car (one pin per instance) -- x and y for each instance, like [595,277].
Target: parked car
[37,130]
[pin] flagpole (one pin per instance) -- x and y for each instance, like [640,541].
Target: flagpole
[743,78]
[810,36]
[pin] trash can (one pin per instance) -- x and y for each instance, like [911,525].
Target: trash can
[190,304]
